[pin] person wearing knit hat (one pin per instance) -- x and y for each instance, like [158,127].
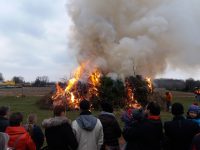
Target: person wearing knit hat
[180,131]
[193,113]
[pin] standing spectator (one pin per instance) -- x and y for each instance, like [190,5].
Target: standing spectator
[111,127]
[153,115]
[180,131]
[168,97]
[127,118]
[88,129]
[35,131]
[58,131]
[19,137]
[197,94]
[194,113]
[196,142]
[4,141]
[4,112]
[143,134]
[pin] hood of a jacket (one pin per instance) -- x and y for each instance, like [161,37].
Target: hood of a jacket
[107,113]
[55,121]
[87,122]
[15,130]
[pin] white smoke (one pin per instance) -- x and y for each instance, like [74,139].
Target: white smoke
[147,35]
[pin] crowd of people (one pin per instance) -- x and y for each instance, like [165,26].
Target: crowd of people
[143,129]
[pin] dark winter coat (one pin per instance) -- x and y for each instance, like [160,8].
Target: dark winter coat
[36,134]
[59,134]
[3,124]
[180,132]
[156,121]
[196,142]
[143,135]
[111,129]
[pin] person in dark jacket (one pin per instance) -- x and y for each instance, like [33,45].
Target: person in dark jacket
[153,115]
[58,131]
[4,122]
[35,131]
[111,127]
[180,131]
[196,142]
[143,133]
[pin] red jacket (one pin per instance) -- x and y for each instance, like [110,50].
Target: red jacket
[24,140]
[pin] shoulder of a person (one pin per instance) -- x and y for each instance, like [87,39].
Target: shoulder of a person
[99,122]
[74,123]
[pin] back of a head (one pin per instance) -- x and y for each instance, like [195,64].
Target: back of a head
[138,114]
[32,119]
[58,110]
[16,119]
[154,108]
[177,109]
[107,107]
[4,110]
[84,105]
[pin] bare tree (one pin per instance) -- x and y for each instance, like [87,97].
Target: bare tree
[18,79]
[1,77]
[41,81]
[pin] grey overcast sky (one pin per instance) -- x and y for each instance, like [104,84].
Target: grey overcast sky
[33,41]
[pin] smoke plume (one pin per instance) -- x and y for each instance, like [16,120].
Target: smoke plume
[142,35]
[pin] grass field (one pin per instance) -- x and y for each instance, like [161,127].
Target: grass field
[27,105]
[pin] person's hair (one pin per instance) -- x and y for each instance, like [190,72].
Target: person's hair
[32,118]
[3,141]
[154,108]
[15,119]
[166,93]
[138,114]
[84,105]
[177,109]
[4,110]
[107,107]
[58,109]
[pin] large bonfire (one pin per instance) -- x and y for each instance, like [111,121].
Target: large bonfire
[87,84]
[73,93]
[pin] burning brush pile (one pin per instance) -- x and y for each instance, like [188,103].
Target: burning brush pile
[94,86]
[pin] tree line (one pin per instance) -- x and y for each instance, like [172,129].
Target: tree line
[40,81]
[187,85]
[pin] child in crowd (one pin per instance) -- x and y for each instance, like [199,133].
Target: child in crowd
[35,131]
[194,113]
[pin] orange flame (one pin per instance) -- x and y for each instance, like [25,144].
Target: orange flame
[71,93]
[94,81]
[149,84]
[59,92]
[72,97]
[78,73]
